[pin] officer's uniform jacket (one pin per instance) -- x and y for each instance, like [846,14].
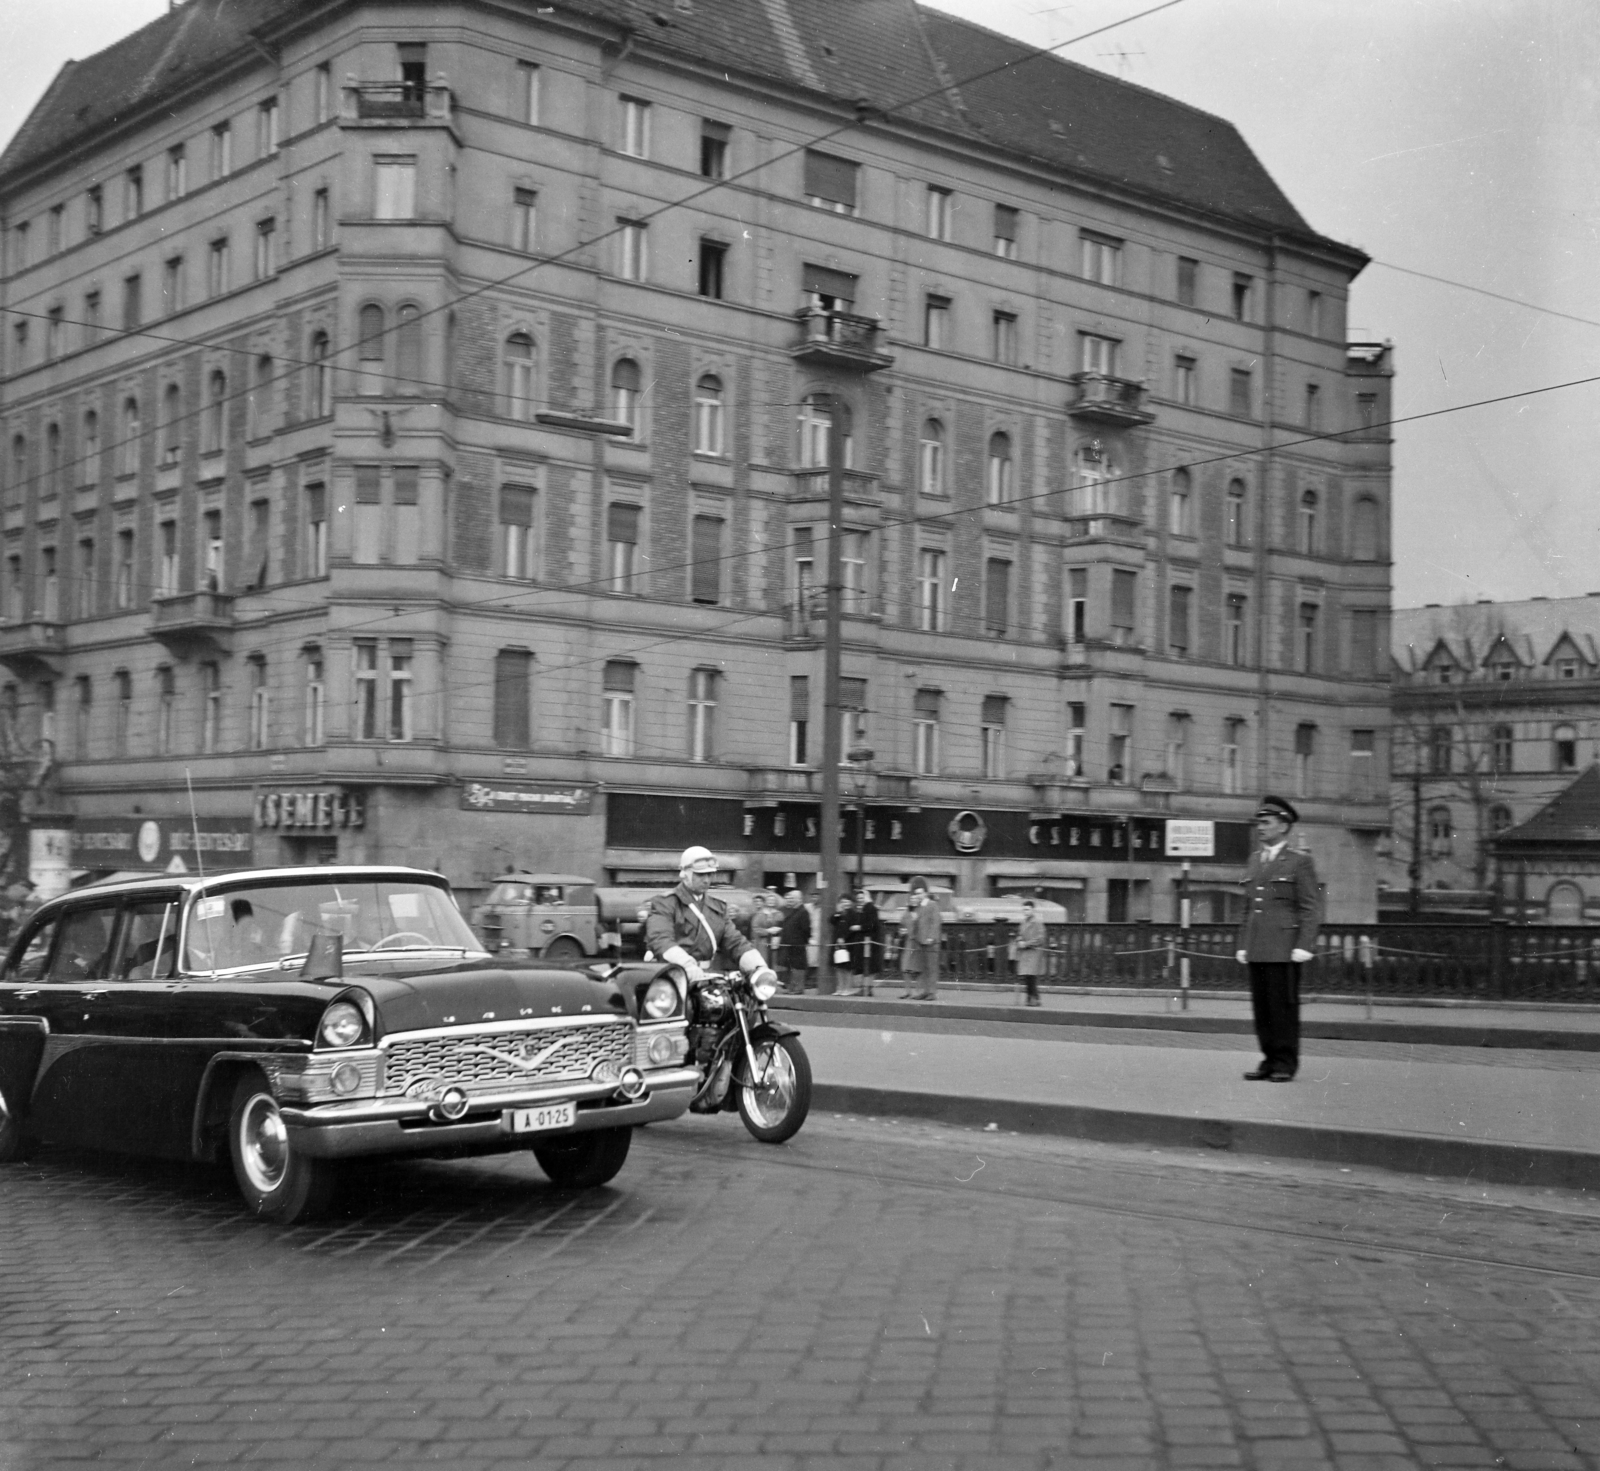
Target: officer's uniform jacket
[672,922]
[1282,906]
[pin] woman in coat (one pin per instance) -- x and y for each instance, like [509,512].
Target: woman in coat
[1030,944]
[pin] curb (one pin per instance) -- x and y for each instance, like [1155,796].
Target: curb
[1456,1159]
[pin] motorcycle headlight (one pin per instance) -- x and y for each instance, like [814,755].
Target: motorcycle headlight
[764,983]
[660,999]
[342,1025]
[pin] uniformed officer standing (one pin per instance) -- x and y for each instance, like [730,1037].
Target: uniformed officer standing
[1283,909]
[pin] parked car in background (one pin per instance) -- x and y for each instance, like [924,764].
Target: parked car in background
[292,1018]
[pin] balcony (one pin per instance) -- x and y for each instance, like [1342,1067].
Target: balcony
[32,648]
[839,340]
[396,104]
[766,786]
[859,488]
[191,623]
[1105,526]
[1098,398]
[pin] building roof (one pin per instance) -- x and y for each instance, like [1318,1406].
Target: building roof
[1470,631]
[885,54]
[1572,817]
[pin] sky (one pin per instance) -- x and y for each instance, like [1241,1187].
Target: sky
[1458,140]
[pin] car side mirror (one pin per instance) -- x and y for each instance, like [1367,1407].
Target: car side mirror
[324,960]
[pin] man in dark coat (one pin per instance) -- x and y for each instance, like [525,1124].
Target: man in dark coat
[1283,909]
[794,934]
[691,930]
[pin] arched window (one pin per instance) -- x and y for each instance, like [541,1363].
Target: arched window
[171,418]
[1499,819]
[52,460]
[625,391]
[215,422]
[132,430]
[1364,530]
[1564,904]
[91,448]
[930,471]
[1441,831]
[815,423]
[1094,473]
[1564,748]
[999,476]
[708,416]
[408,350]
[1502,742]
[321,379]
[519,361]
[1179,511]
[1308,524]
[369,350]
[259,407]
[1235,528]
[1441,750]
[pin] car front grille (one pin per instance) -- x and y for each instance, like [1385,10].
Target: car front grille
[483,1061]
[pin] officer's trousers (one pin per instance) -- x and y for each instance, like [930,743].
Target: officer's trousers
[1275,1006]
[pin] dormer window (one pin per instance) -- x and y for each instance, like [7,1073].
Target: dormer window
[1443,673]
[1566,668]
[1505,673]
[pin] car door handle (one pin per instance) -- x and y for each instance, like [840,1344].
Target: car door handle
[28,994]
[94,995]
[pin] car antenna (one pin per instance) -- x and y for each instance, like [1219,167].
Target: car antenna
[200,863]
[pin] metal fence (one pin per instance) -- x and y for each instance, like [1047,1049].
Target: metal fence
[1486,962]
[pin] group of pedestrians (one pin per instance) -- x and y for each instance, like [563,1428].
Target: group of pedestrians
[788,928]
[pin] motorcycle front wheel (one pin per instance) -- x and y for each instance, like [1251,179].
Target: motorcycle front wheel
[774,1108]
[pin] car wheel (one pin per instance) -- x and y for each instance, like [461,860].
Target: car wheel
[564,951]
[584,1160]
[14,1144]
[277,1182]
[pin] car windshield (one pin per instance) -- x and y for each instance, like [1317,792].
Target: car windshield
[268,923]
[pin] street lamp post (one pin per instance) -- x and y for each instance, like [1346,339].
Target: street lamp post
[860,759]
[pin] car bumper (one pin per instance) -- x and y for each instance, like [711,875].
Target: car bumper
[368,1127]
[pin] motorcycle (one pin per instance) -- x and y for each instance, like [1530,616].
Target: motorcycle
[750,1062]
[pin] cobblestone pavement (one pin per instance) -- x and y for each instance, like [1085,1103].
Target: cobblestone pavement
[875,1295]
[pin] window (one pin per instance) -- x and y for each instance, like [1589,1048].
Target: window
[1313,413]
[1180,511]
[90,473]
[408,349]
[400,712]
[1119,747]
[936,322]
[394,188]
[1307,641]
[1078,604]
[992,736]
[91,318]
[214,424]
[708,416]
[1005,231]
[132,301]
[702,714]
[54,333]
[524,220]
[1307,538]
[405,515]
[1098,354]
[221,151]
[1564,904]
[939,211]
[133,193]
[50,577]
[16,592]
[931,613]
[1441,750]
[1367,410]
[258,546]
[1124,597]
[714,150]
[1185,380]
[321,93]
[20,336]
[265,262]
[1305,761]
[518,367]
[622,545]
[853,571]
[633,247]
[213,567]
[260,705]
[1095,477]
[123,715]
[996,596]
[210,707]
[122,575]
[316,531]
[925,732]
[616,707]
[830,182]
[172,285]
[1566,668]
[258,406]
[805,566]
[370,378]
[1188,281]
[166,711]
[366,690]
[1314,304]
[1240,394]
[1364,530]
[1178,621]
[931,458]
[321,404]
[827,290]
[1500,819]
[367,542]
[1077,735]
[85,580]
[1564,747]
[1235,529]
[816,428]
[635,139]
[625,393]
[315,700]
[525,94]
[1242,286]
[1005,337]
[1232,764]
[1501,745]
[1363,762]
[167,563]
[705,555]
[320,222]
[713,256]
[513,688]
[52,459]
[999,480]
[132,436]
[52,227]
[1101,259]
[799,717]
[217,268]
[94,211]
[267,128]
[1177,753]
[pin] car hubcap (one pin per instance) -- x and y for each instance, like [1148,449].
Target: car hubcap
[771,1099]
[264,1144]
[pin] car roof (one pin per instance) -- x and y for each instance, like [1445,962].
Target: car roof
[237,877]
[522,876]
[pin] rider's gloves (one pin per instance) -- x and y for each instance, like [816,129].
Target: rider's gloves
[678,956]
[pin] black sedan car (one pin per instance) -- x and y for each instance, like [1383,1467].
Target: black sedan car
[291,1018]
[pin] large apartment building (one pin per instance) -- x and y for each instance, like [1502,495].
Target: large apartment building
[416,421]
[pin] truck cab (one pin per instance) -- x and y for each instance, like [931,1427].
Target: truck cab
[552,916]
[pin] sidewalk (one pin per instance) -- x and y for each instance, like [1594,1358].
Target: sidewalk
[1506,1094]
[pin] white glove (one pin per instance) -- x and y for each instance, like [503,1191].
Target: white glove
[764,975]
[1241,957]
[681,958]
[1300,956]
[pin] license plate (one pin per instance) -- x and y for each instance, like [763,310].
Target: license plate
[538,1120]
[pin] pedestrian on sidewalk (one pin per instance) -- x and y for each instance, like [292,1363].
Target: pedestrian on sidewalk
[794,934]
[865,941]
[921,953]
[1030,943]
[1283,909]
[844,919]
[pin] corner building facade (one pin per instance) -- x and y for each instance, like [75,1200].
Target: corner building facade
[322,322]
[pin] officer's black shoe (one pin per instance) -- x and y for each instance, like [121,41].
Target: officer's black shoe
[1261,1074]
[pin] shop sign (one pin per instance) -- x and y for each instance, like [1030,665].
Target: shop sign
[570,799]
[1189,837]
[314,811]
[164,844]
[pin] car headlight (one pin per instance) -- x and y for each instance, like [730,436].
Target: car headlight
[342,1025]
[660,999]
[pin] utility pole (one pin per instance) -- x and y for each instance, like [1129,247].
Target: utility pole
[1414,871]
[828,846]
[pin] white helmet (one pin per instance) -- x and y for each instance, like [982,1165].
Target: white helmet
[697,860]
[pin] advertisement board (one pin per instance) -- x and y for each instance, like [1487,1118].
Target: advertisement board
[162,844]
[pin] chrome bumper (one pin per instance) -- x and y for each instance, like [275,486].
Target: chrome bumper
[404,1126]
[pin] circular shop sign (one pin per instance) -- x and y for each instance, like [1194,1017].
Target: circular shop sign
[967,832]
[149,841]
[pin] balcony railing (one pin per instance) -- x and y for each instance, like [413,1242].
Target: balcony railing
[193,621]
[1102,399]
[811,484]
[839,340]
[32,647]
[397,102]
